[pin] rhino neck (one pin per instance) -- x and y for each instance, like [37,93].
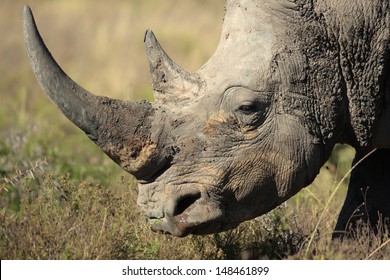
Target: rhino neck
[363,40]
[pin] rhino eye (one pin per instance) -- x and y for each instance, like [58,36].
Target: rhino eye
[248,108]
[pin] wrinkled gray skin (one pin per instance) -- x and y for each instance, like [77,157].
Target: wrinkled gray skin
[253,126]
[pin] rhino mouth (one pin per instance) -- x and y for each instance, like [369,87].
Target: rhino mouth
[165,226]
[191,214]
[179,227]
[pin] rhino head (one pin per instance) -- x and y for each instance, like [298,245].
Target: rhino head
[225,144]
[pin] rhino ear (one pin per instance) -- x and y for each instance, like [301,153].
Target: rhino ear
[169,80]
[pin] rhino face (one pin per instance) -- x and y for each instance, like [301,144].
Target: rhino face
[219,146]
[235,160]
[235,157]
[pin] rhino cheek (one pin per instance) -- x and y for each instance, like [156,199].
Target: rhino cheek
[271,171]
[252,200]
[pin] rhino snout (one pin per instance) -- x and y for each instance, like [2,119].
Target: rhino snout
[193,212]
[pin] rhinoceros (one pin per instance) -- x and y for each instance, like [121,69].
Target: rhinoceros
[253,126]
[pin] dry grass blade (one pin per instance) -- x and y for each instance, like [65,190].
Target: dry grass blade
[329,200]
[377,249]
[314,196]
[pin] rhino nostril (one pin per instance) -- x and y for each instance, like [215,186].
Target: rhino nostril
[185,202]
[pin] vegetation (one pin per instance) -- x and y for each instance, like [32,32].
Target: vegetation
[61,198]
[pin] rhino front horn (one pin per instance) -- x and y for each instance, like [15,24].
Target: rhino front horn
[120,128]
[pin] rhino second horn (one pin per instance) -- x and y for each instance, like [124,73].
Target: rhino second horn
[169,80]
[122,129]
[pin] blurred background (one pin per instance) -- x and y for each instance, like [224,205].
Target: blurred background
[101,45]
[62,198]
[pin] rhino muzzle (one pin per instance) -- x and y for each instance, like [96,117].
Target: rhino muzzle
[190,213]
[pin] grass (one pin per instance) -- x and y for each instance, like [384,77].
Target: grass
[62,198]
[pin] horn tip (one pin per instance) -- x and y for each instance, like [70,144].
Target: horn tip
[28,20]
[149,35]
[27,13]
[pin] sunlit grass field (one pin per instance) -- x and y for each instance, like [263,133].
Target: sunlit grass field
[62,198]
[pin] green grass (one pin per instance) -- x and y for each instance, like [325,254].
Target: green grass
[62,198]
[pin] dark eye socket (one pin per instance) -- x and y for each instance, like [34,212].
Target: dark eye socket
[248,108]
